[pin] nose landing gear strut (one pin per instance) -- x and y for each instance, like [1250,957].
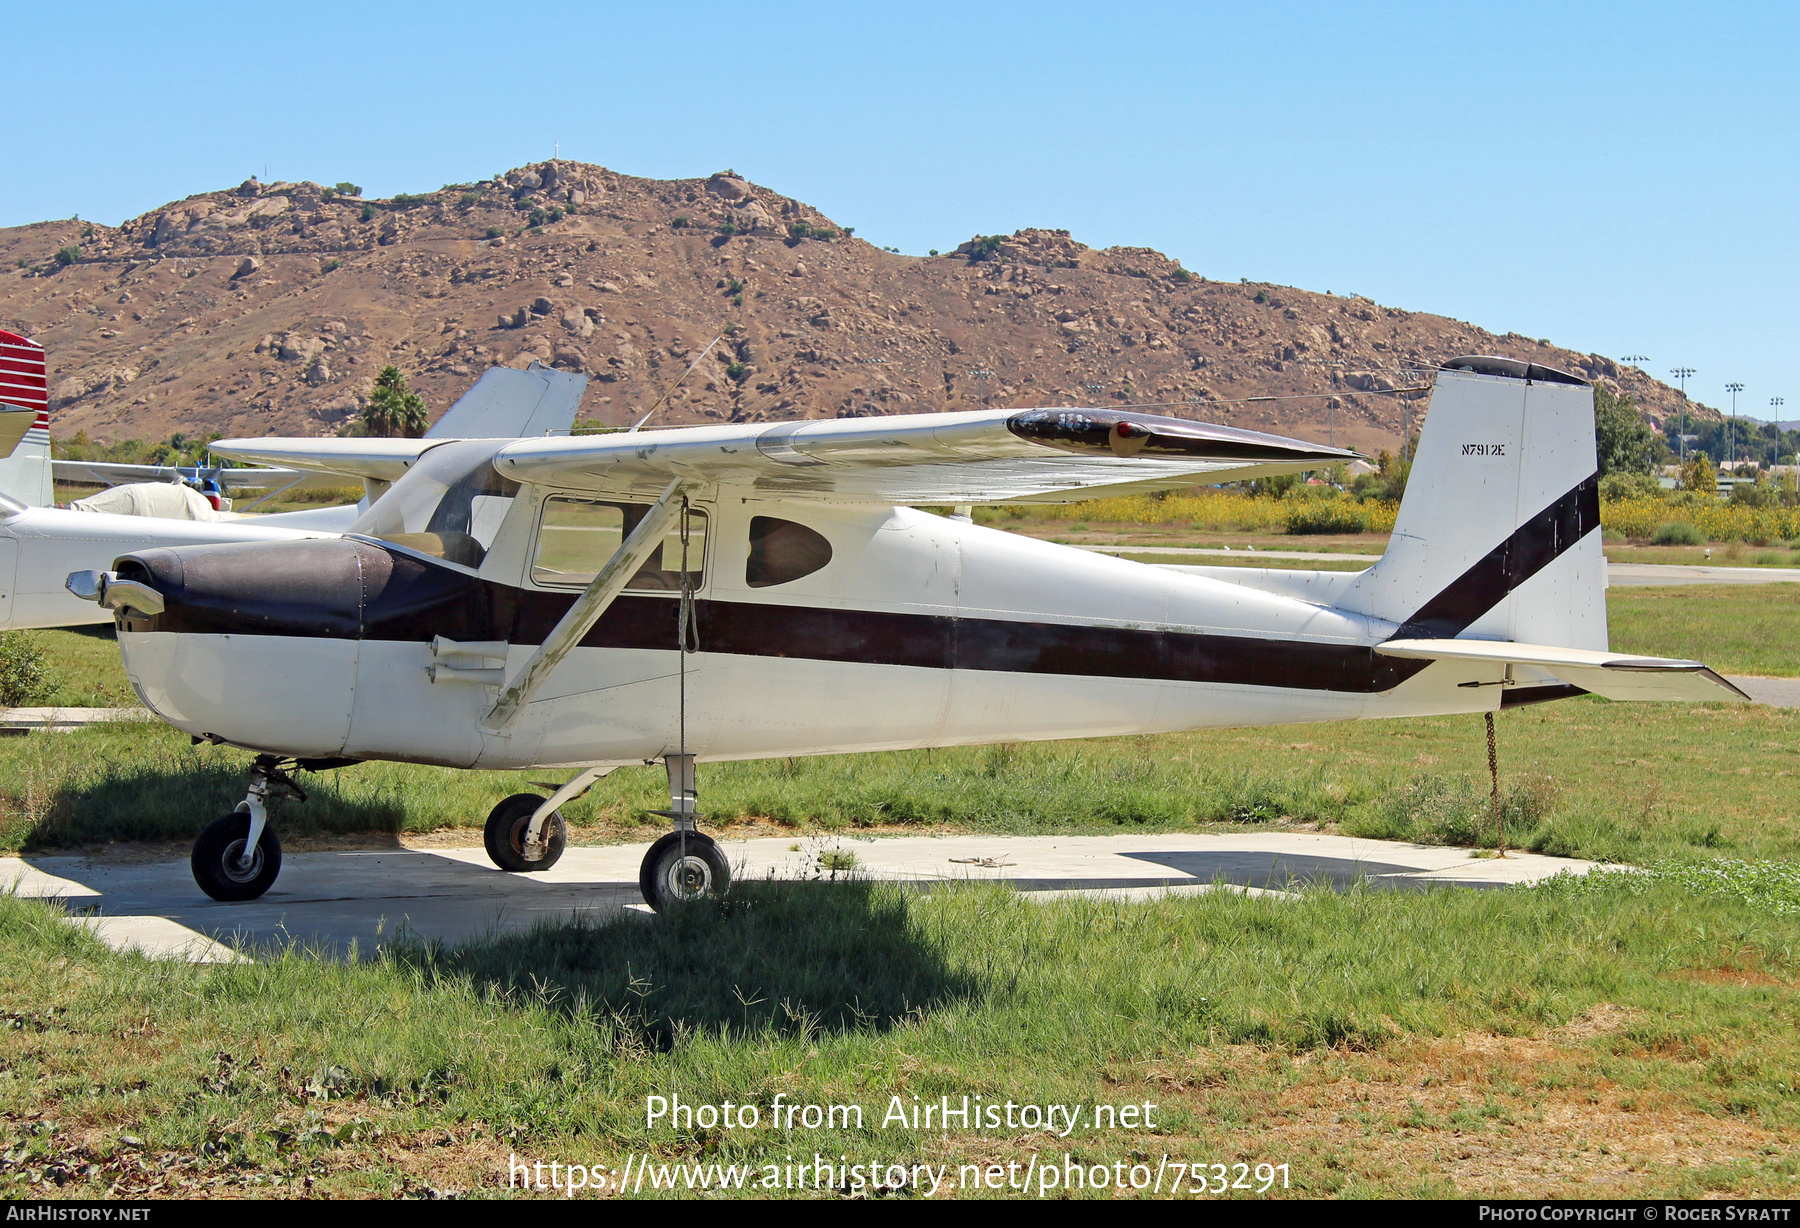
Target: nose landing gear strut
[237,856]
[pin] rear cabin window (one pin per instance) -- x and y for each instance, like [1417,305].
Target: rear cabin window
[782,552]
[577,536]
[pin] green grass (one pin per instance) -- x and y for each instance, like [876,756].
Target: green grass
[1526,1042]
[1735,628]
[1586,778]
[85,668]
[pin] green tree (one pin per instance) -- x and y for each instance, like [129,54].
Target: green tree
[1699,474]
[1624,441]
[394,409]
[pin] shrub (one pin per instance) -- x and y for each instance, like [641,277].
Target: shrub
[469,200]
[1182,275]
[1616,486]
[347,189]
[737,371]
[24,671]
[1262,296]
[494,232]
[679,221]
[728,228]
[1455,810]
[1325,516]
[1677,533]
[403,199]
[368,213]
[985,247]
[332,266]
[67,255]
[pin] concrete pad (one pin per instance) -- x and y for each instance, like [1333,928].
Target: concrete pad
[1775,692]
[159,938]
[1621,575]
[26,719]
[344,902]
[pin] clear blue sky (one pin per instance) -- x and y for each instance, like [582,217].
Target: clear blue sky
[1619,178]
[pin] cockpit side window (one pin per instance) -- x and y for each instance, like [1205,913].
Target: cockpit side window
[448,505]
[782,551]
[576,536]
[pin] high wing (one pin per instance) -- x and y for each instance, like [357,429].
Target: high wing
[1615,675]
[982,456]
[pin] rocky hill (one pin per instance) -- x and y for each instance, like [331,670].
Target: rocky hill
[269,308]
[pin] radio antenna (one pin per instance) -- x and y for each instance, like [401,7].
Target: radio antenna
[672,387]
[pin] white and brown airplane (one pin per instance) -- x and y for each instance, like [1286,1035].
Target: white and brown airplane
[739,592]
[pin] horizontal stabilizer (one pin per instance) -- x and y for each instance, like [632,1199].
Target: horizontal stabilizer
[1614,675]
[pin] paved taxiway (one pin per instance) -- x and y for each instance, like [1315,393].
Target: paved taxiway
[331,900]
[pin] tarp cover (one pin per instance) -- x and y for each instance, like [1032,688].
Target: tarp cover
[160,500]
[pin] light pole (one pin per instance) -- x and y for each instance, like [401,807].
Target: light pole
[981,379]
[1730,432]
[1775,404]
[1682,374]
[1636,360]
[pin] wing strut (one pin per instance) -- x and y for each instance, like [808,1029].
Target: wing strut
[593,602]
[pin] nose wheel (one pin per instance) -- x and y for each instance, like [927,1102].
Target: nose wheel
[236,856]
[220,865]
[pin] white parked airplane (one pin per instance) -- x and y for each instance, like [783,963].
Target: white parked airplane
[40,544]
[524,604]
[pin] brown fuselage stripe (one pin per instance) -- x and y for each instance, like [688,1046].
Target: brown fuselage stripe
[357,589]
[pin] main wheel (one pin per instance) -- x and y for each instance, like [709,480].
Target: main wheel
[668,874]
[505,834]
[216,853]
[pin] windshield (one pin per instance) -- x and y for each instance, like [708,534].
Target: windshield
[448,505]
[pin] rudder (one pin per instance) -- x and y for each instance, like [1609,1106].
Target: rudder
[1498,534]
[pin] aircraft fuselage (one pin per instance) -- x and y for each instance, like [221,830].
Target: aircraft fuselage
[919,631]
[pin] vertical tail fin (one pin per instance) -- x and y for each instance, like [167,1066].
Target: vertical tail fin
[25,471]
[1498,534]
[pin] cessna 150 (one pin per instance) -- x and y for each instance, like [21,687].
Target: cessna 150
[747,591]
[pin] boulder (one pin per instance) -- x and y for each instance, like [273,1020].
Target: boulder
[542,306]
[297,348]
[246,266]
[319,372]
[728,186]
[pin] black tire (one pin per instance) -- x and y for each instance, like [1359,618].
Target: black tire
[217,849]
[665,879]
[505,834]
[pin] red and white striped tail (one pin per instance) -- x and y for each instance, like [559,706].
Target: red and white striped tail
[25,469]
[23,380]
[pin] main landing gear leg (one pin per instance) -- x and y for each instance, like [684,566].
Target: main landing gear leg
[237,856]
[683,865]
